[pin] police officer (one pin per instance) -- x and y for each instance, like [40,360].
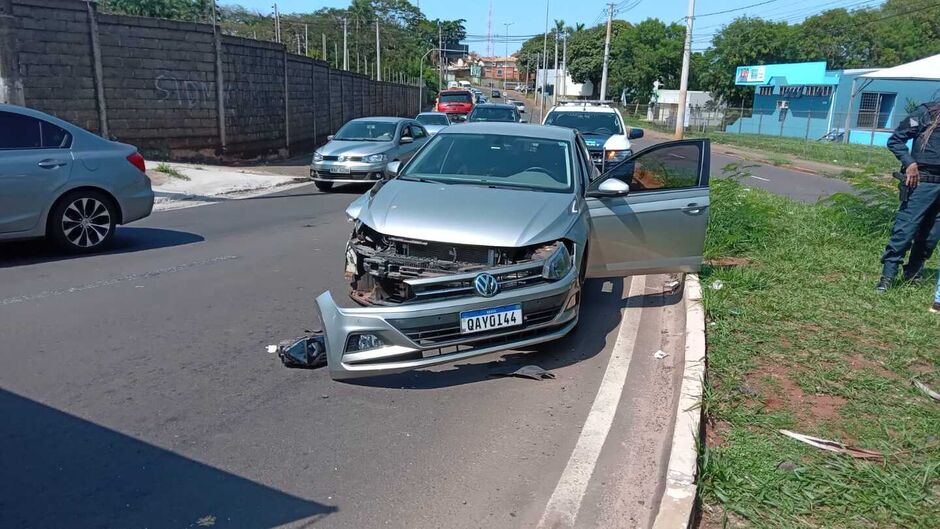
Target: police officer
[917,218]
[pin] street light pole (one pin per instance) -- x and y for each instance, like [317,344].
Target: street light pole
[507,24]
[544,64]
[345,48]
[378,52]
[684,81]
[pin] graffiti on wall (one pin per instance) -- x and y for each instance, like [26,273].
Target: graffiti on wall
[182,92]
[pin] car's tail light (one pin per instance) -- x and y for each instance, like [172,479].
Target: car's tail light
[138,161]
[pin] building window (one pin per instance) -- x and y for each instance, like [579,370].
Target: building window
[874,109]
[499,73]
[817,90]
[765,90]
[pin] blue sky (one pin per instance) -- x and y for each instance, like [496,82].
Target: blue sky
[528,16]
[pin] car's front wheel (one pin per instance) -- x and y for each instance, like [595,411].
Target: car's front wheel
[82,221]
[324,186]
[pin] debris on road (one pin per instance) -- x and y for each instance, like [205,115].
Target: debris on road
[833,446]
[717,284]
[659,355]
[926,390]
[272,349]
[308,352]
[532,371]
[672,286]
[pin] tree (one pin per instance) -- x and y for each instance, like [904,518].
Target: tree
[175,9]
[647,52]
[586,51]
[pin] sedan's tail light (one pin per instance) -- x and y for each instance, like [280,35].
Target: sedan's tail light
[137,161]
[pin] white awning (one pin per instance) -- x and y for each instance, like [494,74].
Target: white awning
[926,69]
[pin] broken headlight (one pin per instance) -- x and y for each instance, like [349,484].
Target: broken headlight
[558,264]
[363,342]
[317,157]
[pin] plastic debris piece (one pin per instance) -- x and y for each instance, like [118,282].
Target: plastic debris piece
[833,446]
[659,355]
[672,286]
[717,284]
[308,352]
[532,371]
[926,389]
[272,349]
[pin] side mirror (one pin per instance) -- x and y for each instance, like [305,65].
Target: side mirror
[635,133]
[406,139]
[612,187]
[329,138]
[392,168]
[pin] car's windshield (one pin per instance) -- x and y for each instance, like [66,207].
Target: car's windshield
[494,160]
[433,119]
[365,130]
[493,114]
[456,97]
[586,122]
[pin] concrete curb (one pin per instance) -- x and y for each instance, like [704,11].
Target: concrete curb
[678,501]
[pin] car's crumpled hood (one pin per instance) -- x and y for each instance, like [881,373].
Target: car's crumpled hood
[466,214]
[354,148]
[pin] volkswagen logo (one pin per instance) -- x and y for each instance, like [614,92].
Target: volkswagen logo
[486,285]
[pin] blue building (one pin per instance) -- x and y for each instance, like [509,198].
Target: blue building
[807,100]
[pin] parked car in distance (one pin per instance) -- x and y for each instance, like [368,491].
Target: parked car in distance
[520,105]
[482,242]
[495,112]
[361,148]
[495,94]
[62,182]
[457,104]
[432,121]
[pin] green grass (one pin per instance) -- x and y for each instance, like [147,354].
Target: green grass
[798,339]
[778,160]
[169,170]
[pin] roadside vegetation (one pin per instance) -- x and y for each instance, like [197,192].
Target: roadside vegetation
[171,171]
[799,340]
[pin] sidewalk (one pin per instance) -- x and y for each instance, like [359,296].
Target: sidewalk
[181,185]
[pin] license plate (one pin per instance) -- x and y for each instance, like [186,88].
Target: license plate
[487,319]
[339,170]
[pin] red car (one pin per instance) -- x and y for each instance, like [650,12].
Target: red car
[457,104]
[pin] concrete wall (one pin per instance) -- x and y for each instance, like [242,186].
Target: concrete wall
[154,83]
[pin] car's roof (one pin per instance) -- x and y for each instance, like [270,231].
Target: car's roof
[547,132]
[467,90]
[385,119]
[433,114]
[599,109]
[496,105]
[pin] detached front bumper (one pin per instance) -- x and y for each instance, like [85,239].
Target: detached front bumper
[419,335]
[346,172]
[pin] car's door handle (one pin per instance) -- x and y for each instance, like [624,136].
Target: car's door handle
[51,164]
[693,209]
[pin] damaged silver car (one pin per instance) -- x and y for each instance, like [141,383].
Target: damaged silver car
[481,243]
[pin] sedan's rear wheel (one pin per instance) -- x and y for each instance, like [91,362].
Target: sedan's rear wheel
[82,221]
[324,186]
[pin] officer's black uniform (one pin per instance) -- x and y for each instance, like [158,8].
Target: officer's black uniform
[921,212]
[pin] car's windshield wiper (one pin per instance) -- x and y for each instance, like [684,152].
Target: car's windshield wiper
[500,185]
[421,179]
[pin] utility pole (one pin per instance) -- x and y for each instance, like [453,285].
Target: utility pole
[564,66]
[357,46]
[306,41]
[440,57]
[345,47]
[555,85]
[298,43]
[507,24]
[378,53]
[277,25]
[544,64]
[323,38]
[610,16]
[684,81]
[336,55]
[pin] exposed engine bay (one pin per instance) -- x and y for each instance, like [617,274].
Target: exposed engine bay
[378,266]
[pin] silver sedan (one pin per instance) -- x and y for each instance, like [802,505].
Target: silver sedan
[361,148]
[482,241]
[65,183]
[433,122]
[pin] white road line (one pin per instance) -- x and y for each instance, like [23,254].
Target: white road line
[760,178]
[563,506]
[115,280]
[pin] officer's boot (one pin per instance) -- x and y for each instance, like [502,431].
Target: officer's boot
[884,284]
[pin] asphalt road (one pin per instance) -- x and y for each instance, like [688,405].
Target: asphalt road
[136,392]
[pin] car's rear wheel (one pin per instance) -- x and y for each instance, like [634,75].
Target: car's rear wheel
[82,221]
[324,186]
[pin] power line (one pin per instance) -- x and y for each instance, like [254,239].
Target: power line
[742,8]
